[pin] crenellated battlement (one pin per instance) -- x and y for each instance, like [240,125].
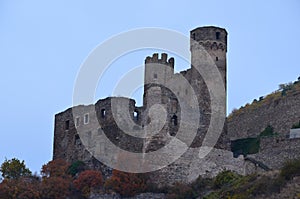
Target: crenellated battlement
[163,60]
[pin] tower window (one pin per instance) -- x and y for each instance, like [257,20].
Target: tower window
[217,59]
[103,113]
[136,115]
[174,120]
[77,120]
[67,125]
[217,35]
[86,118]
[194,36]
[155,76]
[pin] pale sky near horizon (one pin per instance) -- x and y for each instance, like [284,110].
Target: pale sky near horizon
[43,44]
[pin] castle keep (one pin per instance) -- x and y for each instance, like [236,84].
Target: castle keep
[174,105]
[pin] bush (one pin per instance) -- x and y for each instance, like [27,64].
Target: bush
[76,168]
[126,184]
[225,178]
[87,181]
[268,131]
[296,126]
[290,169]
[180,191]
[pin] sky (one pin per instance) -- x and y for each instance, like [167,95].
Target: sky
[44,43]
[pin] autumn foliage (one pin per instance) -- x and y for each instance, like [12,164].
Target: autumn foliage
[87,181]
[126,184]
[23,187]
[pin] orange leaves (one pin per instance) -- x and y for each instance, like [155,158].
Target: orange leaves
[24,187]
[55,168]
[87,181]
[126,184]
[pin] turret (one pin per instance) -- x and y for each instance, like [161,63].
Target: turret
[214,41]
[157,72]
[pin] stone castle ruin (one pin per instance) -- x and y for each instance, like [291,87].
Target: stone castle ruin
[177,107]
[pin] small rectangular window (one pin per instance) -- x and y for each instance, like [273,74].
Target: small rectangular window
[217,35]
[217,59]
[86,118]
[155,76]
[77,120]
[67,125]
[136,115]
[103,113]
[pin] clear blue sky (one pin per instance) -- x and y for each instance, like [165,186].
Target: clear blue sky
[43,44]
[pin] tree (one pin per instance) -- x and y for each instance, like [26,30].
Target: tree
[55,187]
[56,181]
[126,184]
[56,168]
[23,187]
[87,181]
[14,169]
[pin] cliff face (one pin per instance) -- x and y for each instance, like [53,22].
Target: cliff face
[280,110]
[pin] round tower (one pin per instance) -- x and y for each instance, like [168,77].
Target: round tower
[214,40]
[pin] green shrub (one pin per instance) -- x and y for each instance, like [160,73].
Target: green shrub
[212,195]
[296,126]
[269,131]
[180,191]
[76,167]
[225,178]
[290,169]
[245,146]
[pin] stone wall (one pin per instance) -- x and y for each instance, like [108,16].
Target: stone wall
[275,151]
[279,112]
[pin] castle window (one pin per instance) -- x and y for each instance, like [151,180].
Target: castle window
[67,125]
[194,36]
[217,35]
[86,118]
[103,113]
[155,76]
[136,115]
[77,120]
[77,140]
[174,120]
[217,59]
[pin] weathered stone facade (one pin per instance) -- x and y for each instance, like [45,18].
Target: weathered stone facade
[79,127]
[281,113]
[86,132]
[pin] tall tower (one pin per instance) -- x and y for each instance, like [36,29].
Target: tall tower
[214,40]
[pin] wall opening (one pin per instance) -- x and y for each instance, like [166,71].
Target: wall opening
[217,58]
[217,35]
[86,118]
[155,76]
[174,120]
[103,113]
[67,125]
[136,115]
[194,36]
[77,120]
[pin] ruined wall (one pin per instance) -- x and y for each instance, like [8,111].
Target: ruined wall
[77,130]
[161,87]
[279,112]
[275,151]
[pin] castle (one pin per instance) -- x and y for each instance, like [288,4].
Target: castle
[180,107]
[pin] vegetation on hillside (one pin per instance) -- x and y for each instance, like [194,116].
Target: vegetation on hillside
[56,182]
[283,91]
